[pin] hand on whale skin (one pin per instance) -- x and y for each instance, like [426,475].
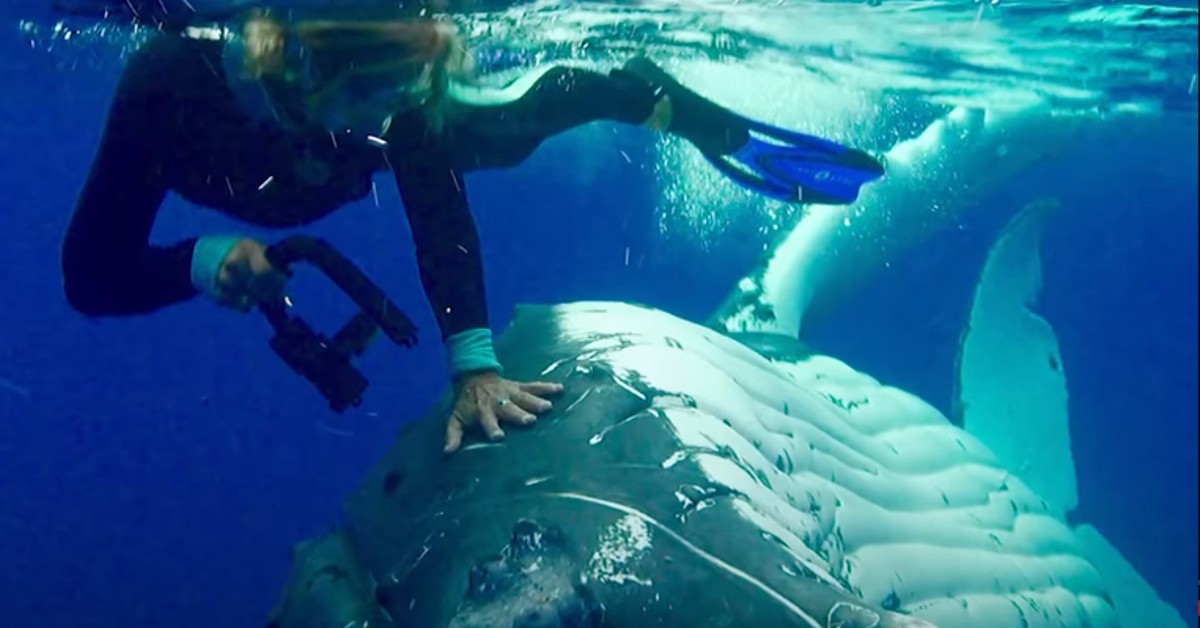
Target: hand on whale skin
[486,399]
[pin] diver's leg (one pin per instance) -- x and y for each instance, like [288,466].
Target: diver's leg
[501,128]
[712,128]
[497,128]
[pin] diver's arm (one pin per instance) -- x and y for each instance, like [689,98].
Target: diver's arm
[447,249]
[108,266]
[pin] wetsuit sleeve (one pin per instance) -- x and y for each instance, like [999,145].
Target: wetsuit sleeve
[444,233]
[109,267]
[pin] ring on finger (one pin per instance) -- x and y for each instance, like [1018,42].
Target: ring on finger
[504,401]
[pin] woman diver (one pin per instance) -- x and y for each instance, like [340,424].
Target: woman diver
[278,120]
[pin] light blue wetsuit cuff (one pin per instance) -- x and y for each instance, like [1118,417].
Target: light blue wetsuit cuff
[207,256]
[471,350]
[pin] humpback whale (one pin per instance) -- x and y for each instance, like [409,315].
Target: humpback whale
[721,473]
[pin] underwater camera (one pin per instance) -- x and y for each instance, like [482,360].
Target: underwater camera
[325,362]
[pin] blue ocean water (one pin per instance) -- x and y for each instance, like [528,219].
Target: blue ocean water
[155,471]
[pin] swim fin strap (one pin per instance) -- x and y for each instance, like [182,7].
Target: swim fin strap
[797,168]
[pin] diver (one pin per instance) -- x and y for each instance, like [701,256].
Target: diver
[279,119]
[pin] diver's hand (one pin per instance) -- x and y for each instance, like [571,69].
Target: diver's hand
[487,399]
[247,278]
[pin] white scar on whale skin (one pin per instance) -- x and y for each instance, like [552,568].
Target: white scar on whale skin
[712,560]
[621,547]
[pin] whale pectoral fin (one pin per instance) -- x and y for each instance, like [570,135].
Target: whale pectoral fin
[1012,393]
[1136,601]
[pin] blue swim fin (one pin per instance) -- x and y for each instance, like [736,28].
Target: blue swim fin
[797,168]
[782,164]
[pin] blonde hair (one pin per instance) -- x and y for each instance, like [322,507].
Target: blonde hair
[423,52]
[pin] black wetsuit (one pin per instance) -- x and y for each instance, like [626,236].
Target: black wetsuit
[175,125]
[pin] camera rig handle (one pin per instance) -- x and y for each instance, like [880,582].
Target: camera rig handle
[325,362]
